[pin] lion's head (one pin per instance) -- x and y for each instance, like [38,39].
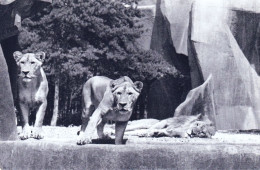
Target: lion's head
[202,128]
[125,93]
[29,64]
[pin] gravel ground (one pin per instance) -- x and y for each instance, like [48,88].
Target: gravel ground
[69,135]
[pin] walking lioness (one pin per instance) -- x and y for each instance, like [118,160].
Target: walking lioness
[107,99]
[32,91]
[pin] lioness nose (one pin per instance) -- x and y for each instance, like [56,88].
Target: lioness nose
[25,72]
[122,104]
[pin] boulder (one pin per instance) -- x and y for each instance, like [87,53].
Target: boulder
[199,100]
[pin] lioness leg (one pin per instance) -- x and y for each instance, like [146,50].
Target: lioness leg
[157,133]
[120,130]
[86,113]
[160,125]
[86,137]
[100,130]
[37,130]
[26,133]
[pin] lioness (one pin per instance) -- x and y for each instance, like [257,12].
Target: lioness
[180,126]
[107,99]
[33,90]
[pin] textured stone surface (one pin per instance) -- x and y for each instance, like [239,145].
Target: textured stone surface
[7,115]
[59,151]
[199,100]
[236,83]
[166,94]
[179,156]
[212,33]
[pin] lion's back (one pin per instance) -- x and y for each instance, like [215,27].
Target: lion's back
[95,88]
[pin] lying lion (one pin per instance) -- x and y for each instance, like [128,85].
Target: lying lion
[181,126]
[33,90]
[106,99]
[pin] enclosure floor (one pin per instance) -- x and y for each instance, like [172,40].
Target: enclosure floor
[69,135]
[58,150]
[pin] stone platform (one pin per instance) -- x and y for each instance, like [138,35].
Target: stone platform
[58,150]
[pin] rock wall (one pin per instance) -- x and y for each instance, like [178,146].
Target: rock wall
[199,100]
[7,115]
[220,38]
[236,83]
[166,94]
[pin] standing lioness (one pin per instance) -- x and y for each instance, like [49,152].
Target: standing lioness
[109,100]
[33,90]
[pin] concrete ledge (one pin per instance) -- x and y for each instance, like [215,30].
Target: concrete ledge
[49,155]
[58,150]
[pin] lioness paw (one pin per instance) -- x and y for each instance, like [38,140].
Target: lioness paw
[26,133]
[37,133]
[24,136]
[83,139]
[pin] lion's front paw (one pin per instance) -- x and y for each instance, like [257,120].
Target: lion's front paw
[26,133]
[83,139]
[37,133]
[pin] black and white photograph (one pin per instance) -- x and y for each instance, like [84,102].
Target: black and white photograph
[129,84]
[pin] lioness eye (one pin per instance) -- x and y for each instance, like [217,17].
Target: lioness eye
[32,62]
[22,62]
[130,93]
[119,93]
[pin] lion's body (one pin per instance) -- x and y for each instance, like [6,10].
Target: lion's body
[101,98]
[32,92]
[181,126]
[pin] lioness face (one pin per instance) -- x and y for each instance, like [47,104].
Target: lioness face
[29,64]
[202,129]
[126,95]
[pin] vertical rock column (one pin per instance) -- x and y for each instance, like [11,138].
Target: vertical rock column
[8,129]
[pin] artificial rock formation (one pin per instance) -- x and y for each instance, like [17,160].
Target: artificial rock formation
[212,33]
[199,100]
[167,93]
[7,115]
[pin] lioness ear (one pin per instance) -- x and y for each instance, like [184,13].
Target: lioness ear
[40,56]
[112,85]
[17,55]
[138,86]
[199,116]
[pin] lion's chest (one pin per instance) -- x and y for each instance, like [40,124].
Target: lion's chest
[117,116]
[30,96]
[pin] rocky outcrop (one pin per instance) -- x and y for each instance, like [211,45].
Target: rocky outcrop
[212,34]
[216,37]
[166,94]
[199,100]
